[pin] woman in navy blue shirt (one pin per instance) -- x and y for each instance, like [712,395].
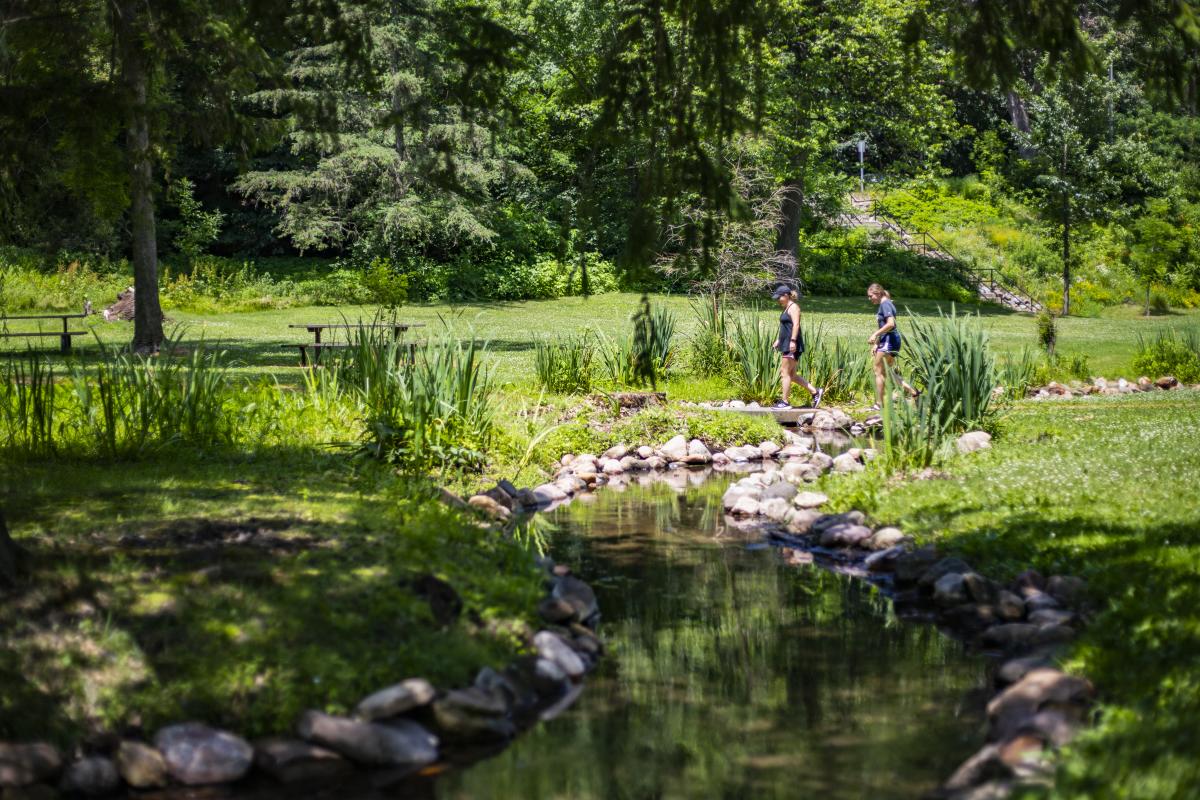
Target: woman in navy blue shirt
[885,342]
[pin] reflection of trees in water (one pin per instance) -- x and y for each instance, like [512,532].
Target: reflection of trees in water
[733,674]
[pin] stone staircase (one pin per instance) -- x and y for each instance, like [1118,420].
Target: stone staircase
[865,213]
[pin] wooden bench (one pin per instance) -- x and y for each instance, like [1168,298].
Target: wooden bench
[316,328]
[409,349]
[64,336]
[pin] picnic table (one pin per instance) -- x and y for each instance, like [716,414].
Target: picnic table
[64,336]
[316,328]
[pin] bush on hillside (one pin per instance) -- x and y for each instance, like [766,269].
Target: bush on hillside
[1171,352]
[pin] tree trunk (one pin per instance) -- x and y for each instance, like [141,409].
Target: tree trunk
[1147,298]
[147,313]
[1019,118]
[1066,250]
[791,209]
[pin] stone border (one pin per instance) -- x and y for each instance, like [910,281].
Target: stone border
[395,731]
[1103,386]
[401,729]
[404,728]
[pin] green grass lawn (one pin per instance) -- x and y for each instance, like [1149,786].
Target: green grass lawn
[258,340]
[241,584]
[240,590]
[1106,489]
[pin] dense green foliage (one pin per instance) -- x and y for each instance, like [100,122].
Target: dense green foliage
[484,151]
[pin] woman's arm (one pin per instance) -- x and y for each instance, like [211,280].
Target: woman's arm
[888,324]
[794,313]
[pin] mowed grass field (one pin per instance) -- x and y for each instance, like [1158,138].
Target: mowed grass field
[259,342]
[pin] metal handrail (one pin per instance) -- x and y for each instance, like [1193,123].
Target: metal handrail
[1015,289]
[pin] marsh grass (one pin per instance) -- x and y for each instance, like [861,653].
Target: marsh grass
[836,364]
[117,407]
[565,365]
[1170,352]
[755,360]
[952,365]
[426,406]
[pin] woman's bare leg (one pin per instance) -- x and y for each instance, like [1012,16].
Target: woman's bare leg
[880,379]
[891,362]
[786,368]
[800,379]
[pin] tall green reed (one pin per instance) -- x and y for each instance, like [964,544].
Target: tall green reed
[755,361]
[28,406]
[565,366]
[427,405]
[709,353]
[120,406]
[645,357]
[951,363]
[842,368]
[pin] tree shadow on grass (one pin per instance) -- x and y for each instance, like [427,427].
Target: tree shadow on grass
[239,609]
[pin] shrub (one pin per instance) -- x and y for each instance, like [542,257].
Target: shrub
[428,407]
[1159,304]
[755,359]
[1047,331]
[1171,352]
[840,367]
[952,364]
[387,287]
[564,366]
[341,287]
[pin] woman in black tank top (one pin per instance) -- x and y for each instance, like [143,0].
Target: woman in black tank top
[790,345]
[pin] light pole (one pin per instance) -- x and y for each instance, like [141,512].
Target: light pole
[862,148]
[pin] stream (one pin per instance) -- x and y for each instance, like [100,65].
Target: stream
[734,670]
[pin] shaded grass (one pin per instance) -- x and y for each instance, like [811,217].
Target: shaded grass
[240,591]
[1104,489]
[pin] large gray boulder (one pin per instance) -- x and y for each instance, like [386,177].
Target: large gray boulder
[973,440]
[578,595]
[552,647]
[197,754]
[698,453]
[845,534]
[910,566]
[675,450]
[402,743]
[847,462]
[91,776]
[396,700]
[809,499]
[25,764]
[781,490]
[1037,690]
[950,590]
[141,765]
[476,714]
[886,539]
[932,575]
[291,760]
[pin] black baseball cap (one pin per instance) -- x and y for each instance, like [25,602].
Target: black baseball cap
[781,291]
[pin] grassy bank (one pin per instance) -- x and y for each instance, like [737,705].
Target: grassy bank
[240,590]
[259,341]
[245,559]
[1104,489]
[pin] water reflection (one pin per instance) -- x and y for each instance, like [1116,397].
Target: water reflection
[734,673]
